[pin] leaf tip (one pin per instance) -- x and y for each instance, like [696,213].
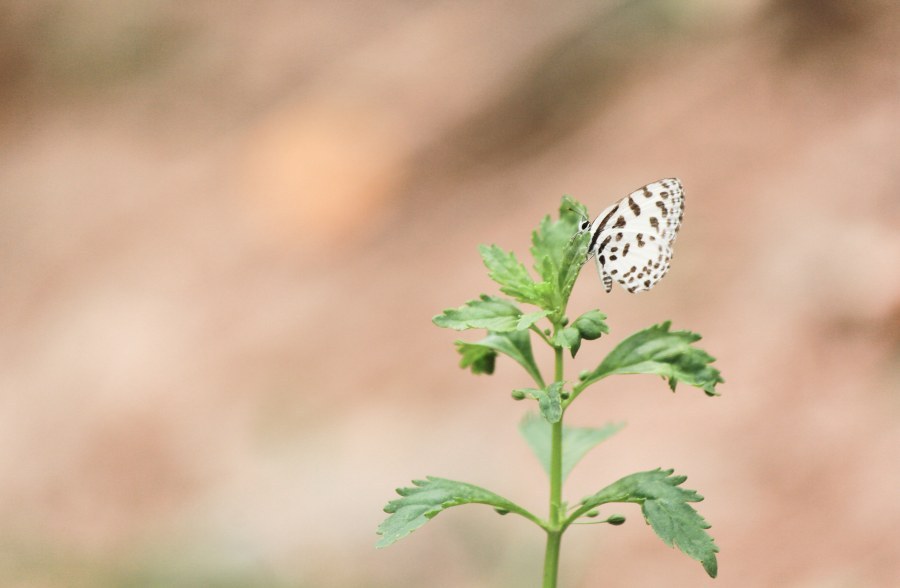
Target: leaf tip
[711,566]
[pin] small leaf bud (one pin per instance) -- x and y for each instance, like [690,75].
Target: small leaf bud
[592,513]
[616,520]
[564,321]
[583,375]
[501,511]
[564,395]
[517,394]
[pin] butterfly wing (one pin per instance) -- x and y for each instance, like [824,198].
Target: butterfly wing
[632,239]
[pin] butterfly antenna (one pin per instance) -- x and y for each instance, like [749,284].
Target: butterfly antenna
[579,213]
[583,217]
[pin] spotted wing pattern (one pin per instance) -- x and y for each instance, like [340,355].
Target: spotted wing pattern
[631,240]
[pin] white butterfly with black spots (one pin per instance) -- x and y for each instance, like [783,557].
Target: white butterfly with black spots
[631,240]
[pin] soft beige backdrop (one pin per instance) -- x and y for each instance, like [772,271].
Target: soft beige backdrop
[225,228]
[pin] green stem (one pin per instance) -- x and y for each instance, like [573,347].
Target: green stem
[555,527]
[541,334]
[551,558]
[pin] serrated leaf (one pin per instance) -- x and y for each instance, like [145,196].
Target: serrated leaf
[577,441]
[666,509]
[544,265]
[558,251]
[488,312]
[573,259]
[569,338]
[591,325]
[658,351]
[481,354]
[551,238]
[572,211]
[526,320]
[548,243]
[428,498]
[513,277]
[549,401]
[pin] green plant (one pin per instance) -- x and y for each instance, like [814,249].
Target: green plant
[559,251]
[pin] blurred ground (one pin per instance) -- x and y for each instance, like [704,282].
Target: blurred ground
[225,228]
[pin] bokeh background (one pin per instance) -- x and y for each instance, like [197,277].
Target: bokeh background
[225,227]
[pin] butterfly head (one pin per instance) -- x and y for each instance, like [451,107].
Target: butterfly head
[585,222]
[583,225]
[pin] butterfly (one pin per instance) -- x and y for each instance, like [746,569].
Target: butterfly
[631,241]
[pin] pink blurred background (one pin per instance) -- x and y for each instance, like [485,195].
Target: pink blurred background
[226,227]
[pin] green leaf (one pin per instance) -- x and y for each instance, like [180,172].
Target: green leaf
[488,312]
[428,498]
[559,251]
[588,326]
[558,259]
[573,259]
[591,325]
[658,351]
[569,338]
[572,211]
[529,319]
[480,355]
[548,244]
[513,277]
[480,358]
[552,237]
[577,441]
[666,509]
[549,401]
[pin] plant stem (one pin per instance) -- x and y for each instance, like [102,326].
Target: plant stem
[551,558]
[555,528]
[541,334]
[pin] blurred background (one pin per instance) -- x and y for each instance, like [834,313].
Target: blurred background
[225,228]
